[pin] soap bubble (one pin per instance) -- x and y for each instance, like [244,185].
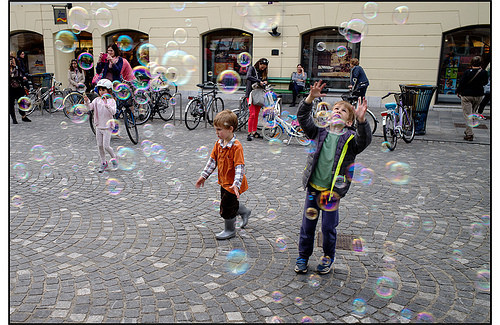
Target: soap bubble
[281,244]
[406,313]
[188,22]
[424,317]
[359,306]
[477,229]
[400,15]
[127,158]
[276,319]
[103,17]
[24,103]
[343,28]
[321,46]
[179,69]
[21,171]
[385,287]
[122,91]
[178,6]
[358,244]
[168,130]
[148,130]
[125,43]
[485,220]
[46,170]
[114,186]
[171,46]
[242,8]
[78,113]
[306,319]
[473,120]
[58,103]
[314,280]
[356,30]
[79,18]
[271,214]
[180,35]
[258,20]
[16,201]
[86,61]
[147,53]
[275,146]
[298,301]
[38,152]
[237,262]
[456,254]
[397,172]
[341,51]
[311,213]
[328,201]
[65,41]
[202,152]
[141,96]
[228,81]
[483,282]
[370,10]
[277,296]
[244,59]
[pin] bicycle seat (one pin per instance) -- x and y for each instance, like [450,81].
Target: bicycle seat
[390,106]
[293,117]
[206,86]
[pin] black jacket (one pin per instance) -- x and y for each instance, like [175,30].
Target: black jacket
[253,76]
[354,142]
[466,87]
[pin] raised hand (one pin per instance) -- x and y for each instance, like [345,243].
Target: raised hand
[361,109]
[315,91]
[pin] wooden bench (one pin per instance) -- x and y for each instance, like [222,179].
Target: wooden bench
[286,81]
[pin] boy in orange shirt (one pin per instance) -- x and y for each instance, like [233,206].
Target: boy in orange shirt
[227,156]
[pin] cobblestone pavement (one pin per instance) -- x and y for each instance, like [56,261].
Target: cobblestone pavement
[149,253]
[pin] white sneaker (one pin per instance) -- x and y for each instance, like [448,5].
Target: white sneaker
[114,164]
[103,167]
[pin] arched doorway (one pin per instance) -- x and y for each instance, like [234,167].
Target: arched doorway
[220,52]
[32,45]
[138,38]
[328,61]
[458,47]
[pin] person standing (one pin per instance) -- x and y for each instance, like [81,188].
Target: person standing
[110,64]
[470,91]
[75,75]
[22,66]
[358,81]
[16,90]
[487,95]
[298,83]
[255,74]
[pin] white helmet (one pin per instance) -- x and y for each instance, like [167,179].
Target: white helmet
[105,83]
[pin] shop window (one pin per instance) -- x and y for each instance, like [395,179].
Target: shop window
[138,39]
[221,49]
[457,50]
[326,55]
[32,45]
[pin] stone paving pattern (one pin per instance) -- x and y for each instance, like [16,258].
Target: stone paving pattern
[149,254]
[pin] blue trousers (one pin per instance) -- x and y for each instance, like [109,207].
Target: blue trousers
[329,223]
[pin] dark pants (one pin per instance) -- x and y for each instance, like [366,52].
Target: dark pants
[362,91]
[484,102]
[14,95]
[329,223]
[229,204]
[296,89]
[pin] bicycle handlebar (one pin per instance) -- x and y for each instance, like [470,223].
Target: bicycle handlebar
[388,94]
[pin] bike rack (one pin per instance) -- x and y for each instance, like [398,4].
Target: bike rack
[180,107]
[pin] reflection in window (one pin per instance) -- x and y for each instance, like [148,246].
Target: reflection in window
[326,55]
[221,50]
[458,49]
[32,45]
[138,39]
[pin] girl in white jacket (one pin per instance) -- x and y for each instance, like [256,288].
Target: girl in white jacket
[104,108]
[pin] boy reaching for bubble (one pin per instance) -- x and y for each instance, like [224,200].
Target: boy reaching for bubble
[227,156]
[327,176]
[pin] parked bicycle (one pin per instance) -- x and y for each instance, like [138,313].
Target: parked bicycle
[276,125]
[205,105]
[352,98]
[397,122]
[159,101]
[43,97]
[122,111]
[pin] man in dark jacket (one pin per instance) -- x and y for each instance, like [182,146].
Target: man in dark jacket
[358,81]
[470,90]
[327,175]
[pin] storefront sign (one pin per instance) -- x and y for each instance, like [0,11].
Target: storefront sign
[60,16]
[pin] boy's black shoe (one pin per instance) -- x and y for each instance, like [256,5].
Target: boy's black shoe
[469,138]
[26,119]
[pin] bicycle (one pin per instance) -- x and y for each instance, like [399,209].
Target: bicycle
[41,98]
[397,122]
[122,110]
[159,102]
[275,126]
[205,105]
[243,112]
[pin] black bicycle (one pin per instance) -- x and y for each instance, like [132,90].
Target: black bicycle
[205,105]
[242,112]
[122,110]
[352,98]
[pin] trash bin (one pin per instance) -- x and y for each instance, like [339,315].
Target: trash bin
[418,99]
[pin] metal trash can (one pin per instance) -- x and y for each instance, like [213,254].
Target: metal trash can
[418,99]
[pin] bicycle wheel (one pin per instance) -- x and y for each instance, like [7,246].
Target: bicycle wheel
[390,135]
[370,117]
[142,112]
[408,126]
[216,107]
[243,113]
[91,121]
[194,113]
[50,101]
[272,132]
[131,126]
[303,140]
[34,104]
[71,100]
[164,109]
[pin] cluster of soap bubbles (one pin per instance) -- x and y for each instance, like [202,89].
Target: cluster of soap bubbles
[359,173]
[256,16]
[156,152]
[237,262]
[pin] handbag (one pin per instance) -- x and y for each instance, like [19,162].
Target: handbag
[258,96]
[97,77]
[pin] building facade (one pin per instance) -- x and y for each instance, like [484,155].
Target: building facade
[396,43]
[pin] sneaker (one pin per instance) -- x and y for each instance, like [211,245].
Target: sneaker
[301,265]
[103,167]
[481,117]
[114,164]
[325,266]
[249,137]
[26,119]
[469,138]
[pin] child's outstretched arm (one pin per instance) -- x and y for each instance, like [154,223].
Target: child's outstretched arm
[200,182]
[207,171]
[361,109]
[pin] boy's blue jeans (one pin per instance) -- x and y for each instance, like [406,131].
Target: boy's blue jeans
[329,223]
